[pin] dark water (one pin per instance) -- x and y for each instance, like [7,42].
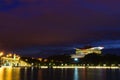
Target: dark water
[58,74]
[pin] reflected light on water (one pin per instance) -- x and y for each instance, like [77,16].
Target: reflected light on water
[25,74]
[1,74]
[32,73]
[16,74]
[62,75]
[58,74]
[76,76]
[9,74]
[84,77]
[40,75]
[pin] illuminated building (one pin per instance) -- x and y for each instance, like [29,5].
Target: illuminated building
[12,60]
[80,53]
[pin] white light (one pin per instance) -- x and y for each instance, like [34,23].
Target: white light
[100,48]
[76,59]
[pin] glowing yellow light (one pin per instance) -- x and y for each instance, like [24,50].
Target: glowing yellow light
[1,73]
[8,74]
[44,66]
[1,53]
[26,59]
[45,60]
[10,54]
[40,59]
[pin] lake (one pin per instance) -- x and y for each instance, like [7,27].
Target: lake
[58,74]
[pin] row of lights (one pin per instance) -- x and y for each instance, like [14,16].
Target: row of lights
[9,55]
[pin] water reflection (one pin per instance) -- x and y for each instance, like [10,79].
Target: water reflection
[40,75]
[62,75]
[76,75]
[84,74]
[58,74]
[15,74]
[32,73]
[1,74]
[9,74]
[25,74]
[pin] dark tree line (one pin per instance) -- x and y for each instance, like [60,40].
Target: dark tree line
[92,59]
[95,59]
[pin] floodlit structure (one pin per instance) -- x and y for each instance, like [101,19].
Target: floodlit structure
[12,60]
[80,53]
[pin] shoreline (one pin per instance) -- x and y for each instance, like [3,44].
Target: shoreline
[69,67]
[89,67]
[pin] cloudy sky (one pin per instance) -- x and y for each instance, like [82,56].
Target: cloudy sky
[30,23]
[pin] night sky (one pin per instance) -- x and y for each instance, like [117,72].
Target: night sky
[57,26]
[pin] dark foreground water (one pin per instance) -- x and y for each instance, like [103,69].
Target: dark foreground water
[58,74]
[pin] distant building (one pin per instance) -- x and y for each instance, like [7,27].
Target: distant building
[81,52]
[12,60]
